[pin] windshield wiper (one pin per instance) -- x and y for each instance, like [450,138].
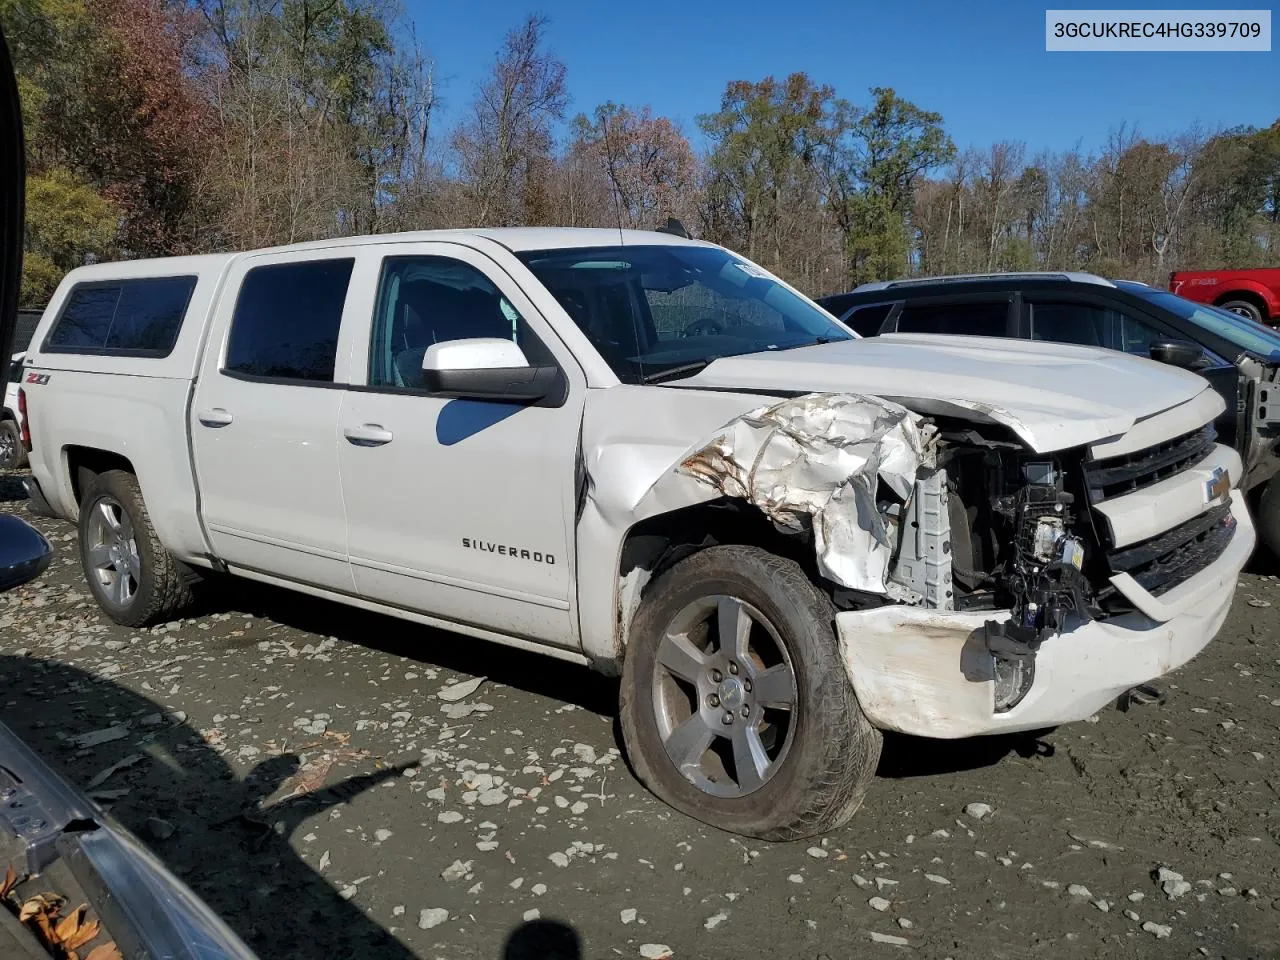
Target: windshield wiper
[680,370]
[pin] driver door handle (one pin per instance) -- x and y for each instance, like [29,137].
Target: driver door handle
[217,417]
[368,435]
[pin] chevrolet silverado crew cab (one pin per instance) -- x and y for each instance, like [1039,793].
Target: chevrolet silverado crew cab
[647,454]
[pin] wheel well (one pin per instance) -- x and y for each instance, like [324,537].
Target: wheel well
[654,545]
[1247,295]
[86,463]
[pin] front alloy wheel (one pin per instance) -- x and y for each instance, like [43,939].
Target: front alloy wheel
[723,696]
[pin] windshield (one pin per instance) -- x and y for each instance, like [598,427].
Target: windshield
[670,310]
[1243,332]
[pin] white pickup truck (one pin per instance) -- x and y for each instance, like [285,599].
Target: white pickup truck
[647,454]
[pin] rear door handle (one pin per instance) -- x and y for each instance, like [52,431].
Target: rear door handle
[368,435]
[217,417]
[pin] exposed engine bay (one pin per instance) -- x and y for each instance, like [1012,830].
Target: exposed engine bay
[1018,542]
[919,511]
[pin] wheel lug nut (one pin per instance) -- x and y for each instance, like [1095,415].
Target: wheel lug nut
[716,676]
[733,668]
[728,717]
[713,700]
[746,685]
[746,712]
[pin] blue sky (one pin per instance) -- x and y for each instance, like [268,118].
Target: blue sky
[984,68]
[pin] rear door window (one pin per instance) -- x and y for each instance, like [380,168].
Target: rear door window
[974,318]
[286,321]
[138,317]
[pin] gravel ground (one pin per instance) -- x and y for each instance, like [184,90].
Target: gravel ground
[318,775]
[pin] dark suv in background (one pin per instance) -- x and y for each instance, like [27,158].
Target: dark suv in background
[1240,357]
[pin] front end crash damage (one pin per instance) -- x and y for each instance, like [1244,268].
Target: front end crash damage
[903,510]
[816,463]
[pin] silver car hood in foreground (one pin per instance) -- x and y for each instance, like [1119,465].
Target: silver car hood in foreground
[1053,396]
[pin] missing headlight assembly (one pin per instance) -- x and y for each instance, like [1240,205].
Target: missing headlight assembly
[1019,544]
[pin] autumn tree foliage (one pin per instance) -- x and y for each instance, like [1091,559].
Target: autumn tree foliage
[649,165]
[161,127]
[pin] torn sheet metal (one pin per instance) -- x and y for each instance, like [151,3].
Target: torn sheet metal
[822,456]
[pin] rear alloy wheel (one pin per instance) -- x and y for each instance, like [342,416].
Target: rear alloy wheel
[1245,308]
[135,580]
[111,551]
[735,705]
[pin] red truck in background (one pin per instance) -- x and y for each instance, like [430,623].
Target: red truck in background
[1251,293]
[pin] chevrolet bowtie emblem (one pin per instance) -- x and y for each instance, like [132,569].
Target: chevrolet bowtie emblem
[1218,485]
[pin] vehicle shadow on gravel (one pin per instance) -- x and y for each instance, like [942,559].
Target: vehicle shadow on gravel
[233,853]
[905,756]
[531,672]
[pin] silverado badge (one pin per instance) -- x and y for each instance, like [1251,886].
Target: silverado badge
[1218,485]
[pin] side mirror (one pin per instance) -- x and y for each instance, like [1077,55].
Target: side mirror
[24,553]
[489,369]
[1178,353]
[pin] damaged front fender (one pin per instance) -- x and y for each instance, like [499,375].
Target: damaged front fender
[818,461]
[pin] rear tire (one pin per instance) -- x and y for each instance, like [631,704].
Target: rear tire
[1246,308]
[818,770]
[135,580]
[1268,516]
[13,455]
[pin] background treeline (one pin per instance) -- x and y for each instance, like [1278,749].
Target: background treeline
[176,127]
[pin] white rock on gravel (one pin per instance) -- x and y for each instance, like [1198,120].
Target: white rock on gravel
[531,915]
[459,691]
[879,903]
[628,915]
[715,920]
[432,917]
[382,835]
[1173,885]
[655,951]
[979,811]
[449,816]
[934,878]
[890,938]
[456,871]
[904,923]
[882,882]
[1159,930]
[817,853]
[559,859]
[796,878]
[1078,890]
[538,889]
[1137,896]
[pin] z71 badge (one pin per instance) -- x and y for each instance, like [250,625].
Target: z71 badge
[1218,485]
[37,378]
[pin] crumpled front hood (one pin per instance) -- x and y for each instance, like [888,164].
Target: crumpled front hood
[1053,396]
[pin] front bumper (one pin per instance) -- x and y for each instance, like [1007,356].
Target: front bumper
[928,672]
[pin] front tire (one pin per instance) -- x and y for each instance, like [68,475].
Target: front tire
[735,705]
[1245,308]
[1268,516]
[135,580]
